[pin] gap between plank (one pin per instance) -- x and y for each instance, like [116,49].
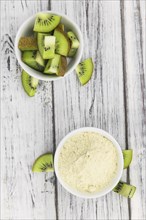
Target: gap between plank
[124,89]
[54,136]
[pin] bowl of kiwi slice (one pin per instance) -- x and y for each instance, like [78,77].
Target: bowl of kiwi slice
[49,45]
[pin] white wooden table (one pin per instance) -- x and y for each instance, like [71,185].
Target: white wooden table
[114,100]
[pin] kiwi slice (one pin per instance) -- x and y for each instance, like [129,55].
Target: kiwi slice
[62,42]
[52,66]
[74,41]
[29,83]
[27,43]
[40,40]
[40,61]
[46,22]
[84,70]
[127,155]
[46,45]
[62,66]
[125,189]
[44,163]
[72,52]
[29,57]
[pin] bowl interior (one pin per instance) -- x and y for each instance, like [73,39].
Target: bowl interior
[27,30]
[114,181]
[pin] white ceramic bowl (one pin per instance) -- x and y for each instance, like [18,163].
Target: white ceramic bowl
[26,29]
[114,181]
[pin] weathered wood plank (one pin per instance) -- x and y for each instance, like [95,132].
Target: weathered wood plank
[27,129]
[32,126]
[135,80]
[100,103]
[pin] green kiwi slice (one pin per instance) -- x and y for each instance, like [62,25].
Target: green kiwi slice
[62,42]
[62,66]
[27,43]
[29,83]
[127,155]
[40,40]
[29,57]
[72,52]
[52,66]
[49,47]
[44,163]
[46,22]
[125,189]
[74,41]
[84,70]
[40,61]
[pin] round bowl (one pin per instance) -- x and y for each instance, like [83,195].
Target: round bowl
[115,180]
[26,29]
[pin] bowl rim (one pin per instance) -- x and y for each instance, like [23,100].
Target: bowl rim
[29,69]
[121,163]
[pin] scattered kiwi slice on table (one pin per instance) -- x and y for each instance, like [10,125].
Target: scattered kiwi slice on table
[84,70]
[29,83]
[127,156]
[125,189]
[46,22]
[44,163]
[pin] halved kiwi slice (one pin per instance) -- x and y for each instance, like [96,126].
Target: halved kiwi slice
[62,66]
[27,43]
[29,83]
[29,57]
[127,155]
[125,189]
[46,22]
[44,163]
[52,66]
[46,45]
[84,70]
[62,42]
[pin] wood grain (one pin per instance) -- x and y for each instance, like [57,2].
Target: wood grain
[27,128]
[97,104]
[114,100]
[135,82]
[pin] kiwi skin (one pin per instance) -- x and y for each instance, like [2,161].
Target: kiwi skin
[62,66]
[27,43]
